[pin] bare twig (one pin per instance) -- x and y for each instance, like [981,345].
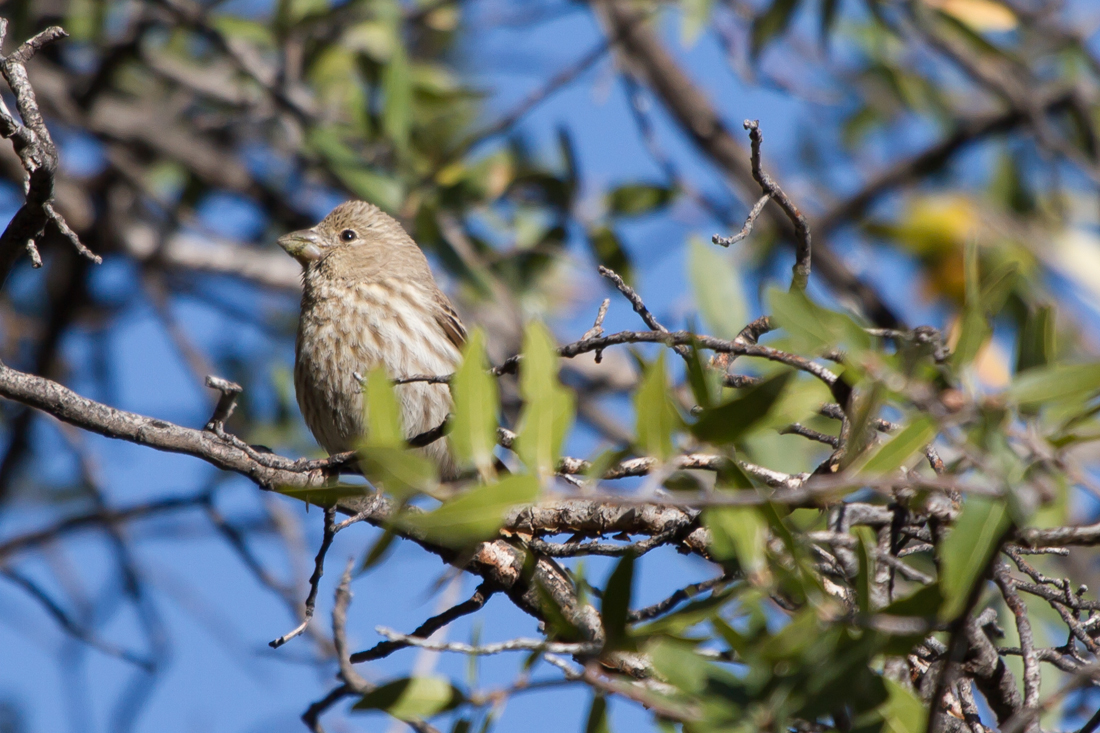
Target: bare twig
[314,580]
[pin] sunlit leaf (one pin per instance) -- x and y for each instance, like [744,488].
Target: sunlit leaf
[812,328]
[398,470]
[476,402]
[475,515]
[696,15]
[1058,382]
[966,552]
[865,576]
[412,698]
[548,407]
[730,421]
[897,450]
[738,533]
[655,412]
[716,285]
[383,413]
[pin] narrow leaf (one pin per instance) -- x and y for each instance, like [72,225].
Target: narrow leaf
[616,601]
[966,552]
[717,288]
[655,413]
[1053,383]
[476,404]
[730,421]
[900,447]
[412,698]
[475,515]
[383,414]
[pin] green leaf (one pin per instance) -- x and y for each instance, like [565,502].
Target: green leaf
[896,451]
[973,334]
[1035,346]
[716,285]
[730,421]
[704,382]
[476,404]
[608,250]
[696,15]
[378,550]
[1054,383]
[398,470]
[615,605]
[638,198]
[813,328]
[902,712]
[923,602]
[738,533]
[383,415]
[597,716]
[397,112]
[475,515]
[549,408]
[865,577]
[965,554]
[412,698]
[678,664]
[998,286]
[655,412]
[772,22]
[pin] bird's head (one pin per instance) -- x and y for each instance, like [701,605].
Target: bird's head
[357,230]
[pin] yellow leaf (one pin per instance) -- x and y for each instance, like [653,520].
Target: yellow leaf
[981,15]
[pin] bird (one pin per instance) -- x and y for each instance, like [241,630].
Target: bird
[369,300]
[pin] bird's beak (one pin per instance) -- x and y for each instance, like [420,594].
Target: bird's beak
[304,246]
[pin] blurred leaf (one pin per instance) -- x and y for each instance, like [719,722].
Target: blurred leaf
[372,37]
[324,496]
[923,602]
[903,712]
[980,15]
[383,415]
[616,601]
[679,665]
[716,285]
[965,554]
[738,533]
[705,383]
[998,286]
[696,16]
[597,716]
[475,515]
[412,698]
[655,412]
[1055,383]
[897,450]
[812,328]
[638,198]
[730,421]
[397,113]
[476,403]
[398,470]
[548,407]
[609,252]
[1035,346]
[865,576]
[828,19]
[974,331]
[771,23]
[378,550]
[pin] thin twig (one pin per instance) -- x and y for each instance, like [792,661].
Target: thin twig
[314,580]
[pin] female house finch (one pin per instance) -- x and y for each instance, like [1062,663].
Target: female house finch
[368,300]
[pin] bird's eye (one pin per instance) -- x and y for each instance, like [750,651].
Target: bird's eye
[348,235]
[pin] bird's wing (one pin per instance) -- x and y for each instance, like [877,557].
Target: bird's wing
[449,321]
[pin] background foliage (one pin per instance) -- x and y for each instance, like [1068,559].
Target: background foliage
[945,155]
